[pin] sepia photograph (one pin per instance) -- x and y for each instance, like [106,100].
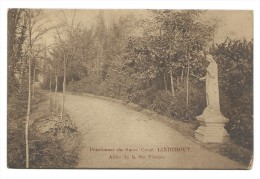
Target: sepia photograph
[130,89]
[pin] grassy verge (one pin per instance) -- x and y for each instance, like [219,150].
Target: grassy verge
[53,143]
[228,149]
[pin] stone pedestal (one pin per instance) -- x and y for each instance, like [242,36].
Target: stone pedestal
[211,129]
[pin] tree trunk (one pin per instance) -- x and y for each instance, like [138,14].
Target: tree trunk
[28,116]
[33,81]
[182,75]
[29,98]
[12,27]
[55,93]
[64,85]
[22,75]
[165,82]
[99,59]
[187,81]
[172,84]
[50,84]
[97,66]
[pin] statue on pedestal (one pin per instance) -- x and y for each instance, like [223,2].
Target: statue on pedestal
[212,121]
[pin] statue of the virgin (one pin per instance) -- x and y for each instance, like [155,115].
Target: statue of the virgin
[212,88]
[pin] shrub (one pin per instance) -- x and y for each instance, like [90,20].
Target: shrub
[47,150]
[136,80]
[240,124]
[163,103]
[235,59]
[17,107]
[89,84]
[175,106]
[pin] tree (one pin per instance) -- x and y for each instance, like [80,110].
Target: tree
[64,46]
[100,35]
[56,71]
[16,38]
[35,30]
[64,72]
[186,33]
[235,64]
[36,55]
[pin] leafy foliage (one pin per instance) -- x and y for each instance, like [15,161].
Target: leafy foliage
[26,28]
[56,148]
[151,69]
[154,61]
[235,59]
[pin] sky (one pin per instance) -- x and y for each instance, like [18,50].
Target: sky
[235,24]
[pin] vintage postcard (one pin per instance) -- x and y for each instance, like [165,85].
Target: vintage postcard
[142,89]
